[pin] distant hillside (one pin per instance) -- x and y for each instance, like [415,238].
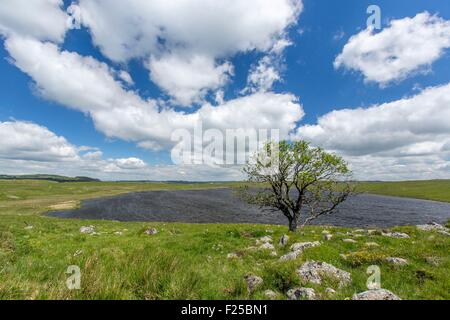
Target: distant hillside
[48,177]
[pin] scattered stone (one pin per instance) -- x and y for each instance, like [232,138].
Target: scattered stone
[232,256]
[359,231]
[372,244]
[300,246]
[434,261]
[399,235]
[316,272]
[118,233]
[263,240]
[29,227]
[327,236]
[267,246]
[87,230]
[379,294]
[271,295]
[301,294]
[290,256]
[349,241]
[77,253]
[371,232]
[396,261]
[151,231]
[432,227]
[445,233]
[253,282]
[283,240]
[330,291]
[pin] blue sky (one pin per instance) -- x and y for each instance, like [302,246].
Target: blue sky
[317,36]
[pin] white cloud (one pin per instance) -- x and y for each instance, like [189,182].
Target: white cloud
[186,42]
[130,163]
[412,130]
[28,141]
[87,85]
[188,80]
[407,46]
[42,19]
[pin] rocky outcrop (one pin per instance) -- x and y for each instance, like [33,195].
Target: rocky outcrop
[87,230]
[398,235]
[151,231]
[379,294]
[316,272]
[253,282]
[301,294]
[283,240]
[397,261]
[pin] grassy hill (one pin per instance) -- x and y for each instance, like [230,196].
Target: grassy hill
[47,177]
[438,190]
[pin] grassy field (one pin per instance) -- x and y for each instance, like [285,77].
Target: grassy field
[187,261]
[438,190]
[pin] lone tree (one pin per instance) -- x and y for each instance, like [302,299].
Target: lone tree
[297,180]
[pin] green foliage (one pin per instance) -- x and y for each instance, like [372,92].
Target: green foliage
[298,177]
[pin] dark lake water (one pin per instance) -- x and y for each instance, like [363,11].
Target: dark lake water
[221,205]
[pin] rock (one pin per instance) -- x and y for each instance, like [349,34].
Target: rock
[349,241]
[290,256]
[316,272]
[87,230]
[371,232]
[330,291]
[271,295]
[118,233]
[432,227]
[77,253]
[379,294]
[396,261]
[327,236]
[232,256]
[29,227]
[300,246]
[301,294]
[399,235]
[283,240]
[267,246]
[372,244]
[266,239]
[151,231]
[434,261]
[445,233]
[359,231]
[253,282]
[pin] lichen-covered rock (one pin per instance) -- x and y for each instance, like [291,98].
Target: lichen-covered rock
[267,246]
[379,294]
[396,261]
[284,240]
[270,294]
[87,230]
[399,235]
[349,240]
[151,231]
[316,272]
[300,246]
[265,239]
[232,256]
[290,256]
[330,291]
[301,294]
[253,282]
[327,236]
[432,227]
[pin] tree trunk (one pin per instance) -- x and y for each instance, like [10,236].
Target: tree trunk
[293,225]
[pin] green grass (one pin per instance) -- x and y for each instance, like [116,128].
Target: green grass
[438,190]
[184,261]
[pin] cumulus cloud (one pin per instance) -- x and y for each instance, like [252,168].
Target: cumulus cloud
[186,41]
[28,141]
[42,19]
[410,130]
[84,84]
[407,46]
